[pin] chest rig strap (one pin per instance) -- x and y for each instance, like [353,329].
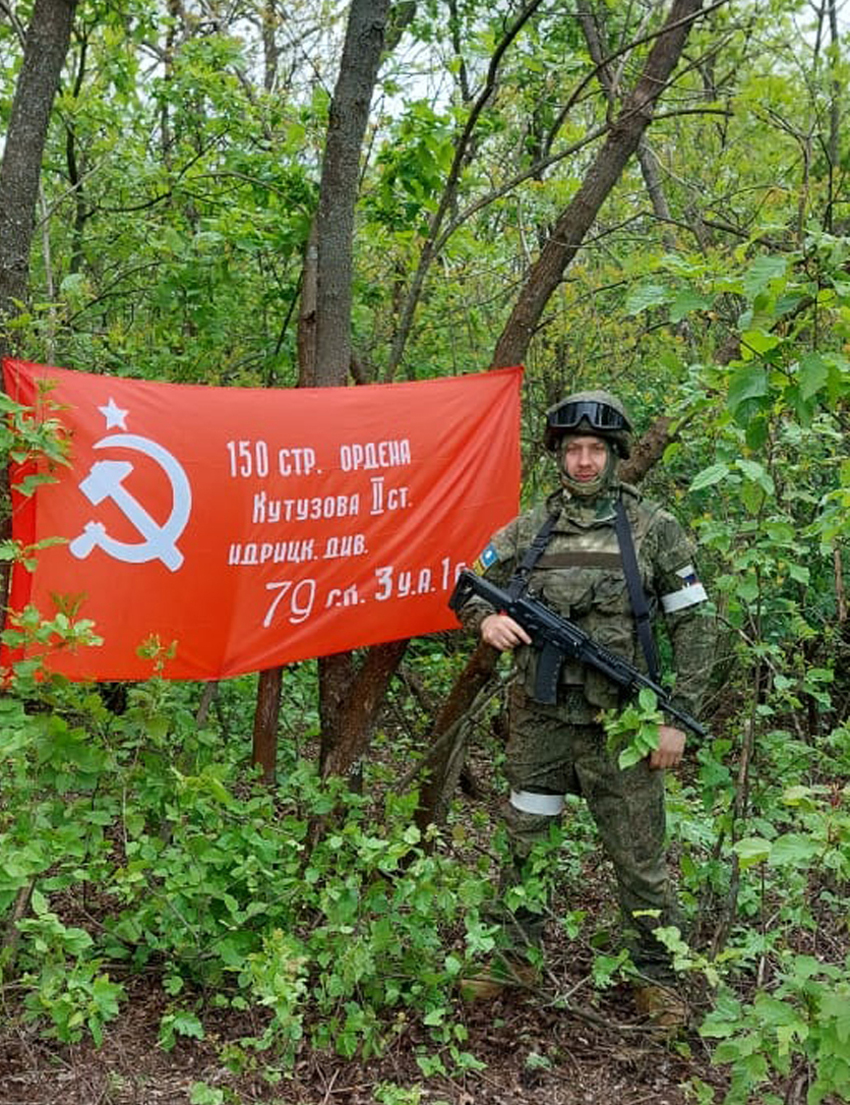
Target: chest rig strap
[631,571]
[519,580]
[640,608]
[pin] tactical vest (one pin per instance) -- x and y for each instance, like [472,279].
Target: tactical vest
[581,576]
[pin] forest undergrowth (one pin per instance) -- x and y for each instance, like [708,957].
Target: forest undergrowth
[176,931]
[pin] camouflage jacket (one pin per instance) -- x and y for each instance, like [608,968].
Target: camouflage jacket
[580,574]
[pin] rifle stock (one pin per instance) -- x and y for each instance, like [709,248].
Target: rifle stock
[559,639]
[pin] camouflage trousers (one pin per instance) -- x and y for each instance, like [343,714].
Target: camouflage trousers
[553,751]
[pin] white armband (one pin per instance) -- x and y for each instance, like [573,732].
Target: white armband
[689,594]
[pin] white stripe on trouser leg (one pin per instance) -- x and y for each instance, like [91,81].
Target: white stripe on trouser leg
[546,805]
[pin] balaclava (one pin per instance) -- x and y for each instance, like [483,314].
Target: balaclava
[588,489]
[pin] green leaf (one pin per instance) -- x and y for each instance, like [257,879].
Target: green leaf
[715,473]
[727,1052]
[645,296]
[793,850]
[758,474]
[760,341]
[757,427]
[762,272]
[39,904]
[686,302]
[814,374]
[799,795]
[748,385]
[752,850]
[834,1006]
[187,1024]
[629,757]
[203,1094]
[752,497]
[773,1011]
[780,531]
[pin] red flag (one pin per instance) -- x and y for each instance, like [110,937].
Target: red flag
[254,527]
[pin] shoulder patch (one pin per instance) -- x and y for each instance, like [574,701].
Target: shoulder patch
[688,575]
[487,559]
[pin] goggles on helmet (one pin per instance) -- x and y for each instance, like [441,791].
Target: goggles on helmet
[599,416]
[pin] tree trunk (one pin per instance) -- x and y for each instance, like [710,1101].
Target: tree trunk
[353,716]
[592,21]
[649,449]
[578,217]
[45,50]
[266,716]
[346,694]
[349,694]
[271,52]
[349,114]
[445,765]
[512,346]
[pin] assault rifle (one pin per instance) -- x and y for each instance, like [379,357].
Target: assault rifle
[558,640]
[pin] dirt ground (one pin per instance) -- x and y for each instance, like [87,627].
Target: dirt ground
[596,1052]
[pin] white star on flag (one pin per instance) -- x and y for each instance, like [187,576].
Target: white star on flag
[113,414]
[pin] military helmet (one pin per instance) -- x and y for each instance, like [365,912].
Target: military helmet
[589,412]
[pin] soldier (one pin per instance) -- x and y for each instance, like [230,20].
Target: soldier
[600,554]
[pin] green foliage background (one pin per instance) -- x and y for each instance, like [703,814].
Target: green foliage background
[178,189]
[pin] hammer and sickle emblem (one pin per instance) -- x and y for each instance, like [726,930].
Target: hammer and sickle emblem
[106,481]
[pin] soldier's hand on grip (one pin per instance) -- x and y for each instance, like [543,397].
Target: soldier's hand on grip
[503,633]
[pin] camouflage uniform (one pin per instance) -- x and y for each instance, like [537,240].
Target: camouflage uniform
[555,750]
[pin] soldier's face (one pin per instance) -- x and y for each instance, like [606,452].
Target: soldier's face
[585,458]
